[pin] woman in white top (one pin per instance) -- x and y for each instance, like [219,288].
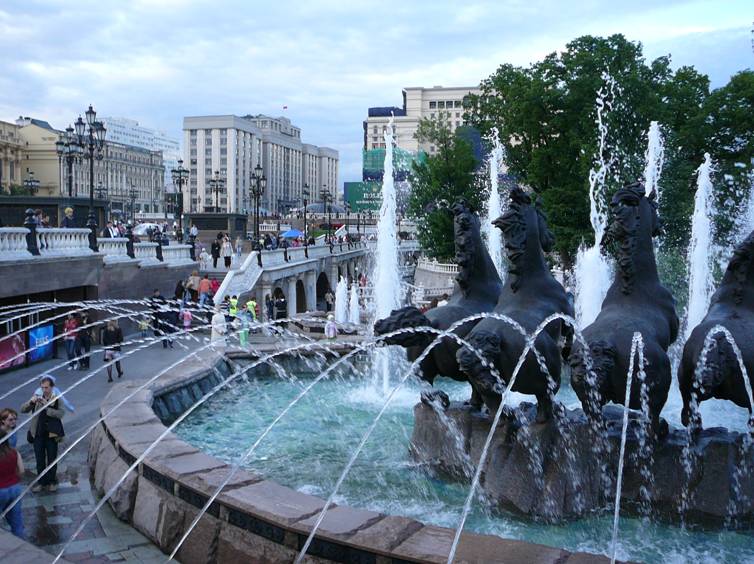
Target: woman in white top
[226,251]
[219,328]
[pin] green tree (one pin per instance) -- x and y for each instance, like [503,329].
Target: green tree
[546,113]
[447,175]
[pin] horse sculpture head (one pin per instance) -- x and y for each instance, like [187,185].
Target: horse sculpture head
[739,276]
[633,223]
[471,254]
[526,234]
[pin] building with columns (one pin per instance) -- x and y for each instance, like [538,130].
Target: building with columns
[233,146]
[122,169]
[10,156]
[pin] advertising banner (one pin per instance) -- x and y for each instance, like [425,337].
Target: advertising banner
[41,337]
[10,347]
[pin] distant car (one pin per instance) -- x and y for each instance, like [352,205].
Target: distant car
[141,229]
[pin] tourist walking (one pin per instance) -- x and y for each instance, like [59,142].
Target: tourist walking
[226,251]
[84,342]
[159,320]
[204,288]
[269,307]
[45,431]
[112,337]
[215,252]
[219,328]
[186,317]
[70,326]
[243,323]
[329,300]
[8,419]
[239,249]
[68,221]
[193,285]
[11,471]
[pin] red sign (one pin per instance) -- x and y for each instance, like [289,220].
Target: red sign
[12,347]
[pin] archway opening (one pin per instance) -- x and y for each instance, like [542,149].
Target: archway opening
[300,297]
[323,286]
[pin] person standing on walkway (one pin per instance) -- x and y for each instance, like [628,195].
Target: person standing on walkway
[215,252]
[68,221]
[219,328]
[243,323]
[239,249]
[11,471]
[329,300]
[269,306]
[84,342]
[193,285]
[112,337]
[69,336]
[45,431]
[204,289]
[159,318]
[8,418]
[226,251]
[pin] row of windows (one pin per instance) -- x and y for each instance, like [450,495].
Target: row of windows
[442,104]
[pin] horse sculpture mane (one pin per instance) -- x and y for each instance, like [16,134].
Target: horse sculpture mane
[738,268]
[621,236]
[467,243]
[514,227]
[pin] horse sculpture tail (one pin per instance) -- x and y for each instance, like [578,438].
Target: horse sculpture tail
[593,388]
[407,317]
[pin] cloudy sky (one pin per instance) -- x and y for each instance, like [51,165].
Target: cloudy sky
[159,60]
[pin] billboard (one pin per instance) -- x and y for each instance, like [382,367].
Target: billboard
[363,196]
[41,337]
[10,347]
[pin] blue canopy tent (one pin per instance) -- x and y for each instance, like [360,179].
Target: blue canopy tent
[292,234]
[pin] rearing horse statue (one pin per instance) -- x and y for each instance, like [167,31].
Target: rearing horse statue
[476,290]
[530,296]
[732,306]
[636,301]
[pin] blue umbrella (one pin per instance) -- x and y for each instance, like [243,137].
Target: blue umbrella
[292,234]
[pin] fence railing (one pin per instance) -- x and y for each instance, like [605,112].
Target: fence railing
[434,266]
[177,254]
[115,249]
[63,242]
[13,243]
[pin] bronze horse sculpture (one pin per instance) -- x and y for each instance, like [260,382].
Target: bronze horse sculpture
[635,302]
[477,288]
[732,306]
[530,296]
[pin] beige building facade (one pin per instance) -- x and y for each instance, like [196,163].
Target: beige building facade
[122,168]
[10,156]
[234,146]
[418,103]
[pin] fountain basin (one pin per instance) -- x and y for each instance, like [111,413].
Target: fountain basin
[570,486]
[254,519]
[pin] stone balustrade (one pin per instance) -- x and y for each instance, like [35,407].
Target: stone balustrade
[146,253]
[13,243]
[177,254]
[114,248]
[62,242]
[434,266]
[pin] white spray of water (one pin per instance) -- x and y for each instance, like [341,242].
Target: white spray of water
[341,301]
[592,271]
[701,249]
[655,158]
[386,278]
[354,313]
[493,236]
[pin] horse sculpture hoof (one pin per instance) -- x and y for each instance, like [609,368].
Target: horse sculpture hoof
[435,399]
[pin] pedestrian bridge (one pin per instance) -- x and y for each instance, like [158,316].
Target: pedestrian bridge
[302,275]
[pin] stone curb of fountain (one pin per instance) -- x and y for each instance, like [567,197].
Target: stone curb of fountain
[254,519]
[14,550]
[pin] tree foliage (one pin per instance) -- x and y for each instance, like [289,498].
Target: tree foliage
[545,115]
[447,175]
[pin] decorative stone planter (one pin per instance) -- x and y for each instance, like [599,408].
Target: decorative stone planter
[253,519]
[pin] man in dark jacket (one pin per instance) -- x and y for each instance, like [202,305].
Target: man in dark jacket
[161,318]
[215,252]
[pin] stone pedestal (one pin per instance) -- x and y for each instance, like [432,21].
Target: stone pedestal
[559,471]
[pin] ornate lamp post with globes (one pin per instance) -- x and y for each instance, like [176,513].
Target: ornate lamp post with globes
[91,137]
[305,194]
[180,177]
[257,184]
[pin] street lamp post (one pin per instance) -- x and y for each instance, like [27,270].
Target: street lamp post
[31,183]
[305,193]
[132,193]
[69,152]
[326,199]
[91,137]
[348,219]
[257,184]
[216,183]
[180,177]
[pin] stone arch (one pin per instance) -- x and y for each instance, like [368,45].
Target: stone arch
[323,285]
[300,297]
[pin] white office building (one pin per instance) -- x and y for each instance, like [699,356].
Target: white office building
[233,146]
[129,132]
[418,103]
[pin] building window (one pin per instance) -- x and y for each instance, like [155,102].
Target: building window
[432,105]
[432,115]
[374,130]
[458,124]
[458,104]
[458,114]
[441,104]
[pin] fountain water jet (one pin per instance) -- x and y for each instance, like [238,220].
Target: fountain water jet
[701,249]
[655,158]
[494,208]
[341,301]
[354,311]
[592,271]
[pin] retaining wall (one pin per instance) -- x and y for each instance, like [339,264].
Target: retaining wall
[254,519]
